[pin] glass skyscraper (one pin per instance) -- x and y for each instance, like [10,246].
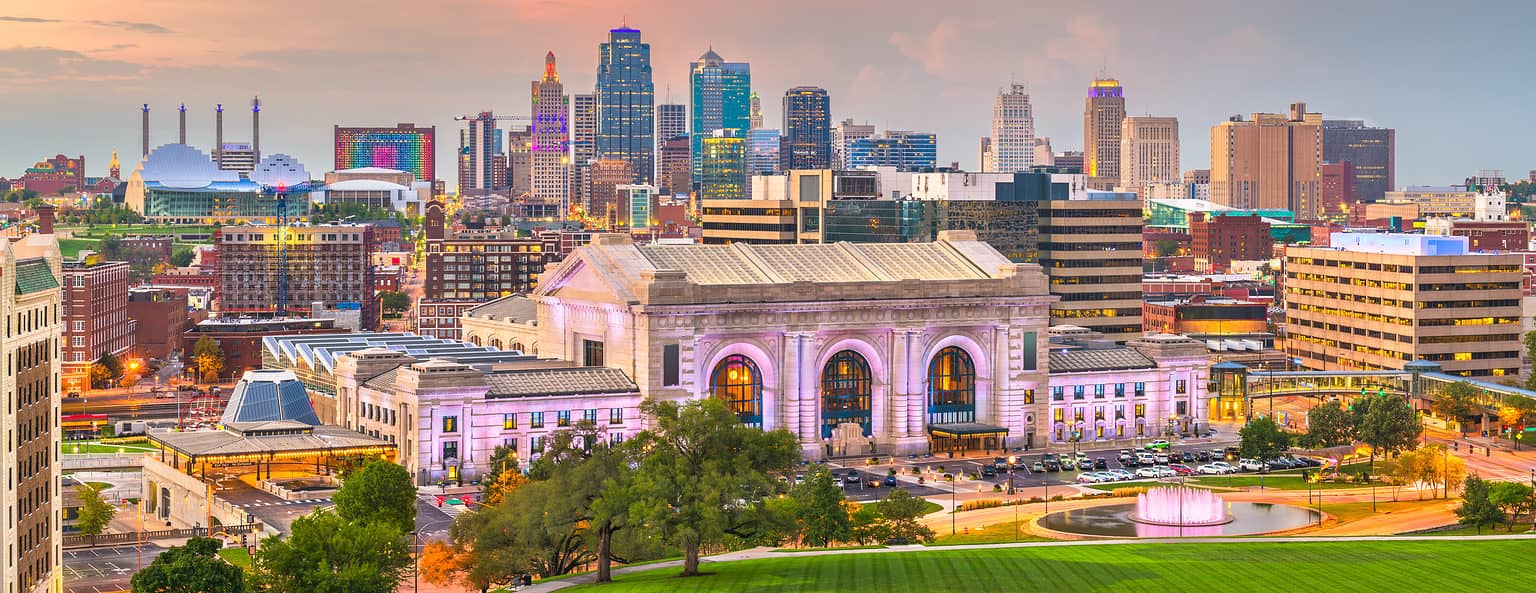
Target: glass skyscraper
[721,99]
[763,152]
[807,129]
[907,151]
[723,166]
[626,97]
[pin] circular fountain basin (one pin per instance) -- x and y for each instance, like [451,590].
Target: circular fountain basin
[1115,520]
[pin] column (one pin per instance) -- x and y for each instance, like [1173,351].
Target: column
[810,390]
[896,410]
[789,387]
[916,367]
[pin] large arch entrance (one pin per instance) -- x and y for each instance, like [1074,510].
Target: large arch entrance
[737,381]
[846,393]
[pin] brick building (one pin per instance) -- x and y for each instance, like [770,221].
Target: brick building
[96,321]
[1219,241]
[160,317]
[479,266]
[1484,235]
[440,318]
[326,264]
[241,338]
[1337,192]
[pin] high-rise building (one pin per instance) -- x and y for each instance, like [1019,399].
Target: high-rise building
[1013,131]
[1070,161]
[95,316]
[626,97]
[520,161]
[1268,162]
[477,265]
[604,210]
[639,201]
[327,264]
[551,137]
[671,122]
[1091,249]
[1043,155]
[984,155]
[1103,111]
[1336,193]
[719,98]
[756,119]
[583,146]
[31,496]
[1149,151]
[1373,301]
[723,166]
[807,129]
[1373,151]
[479,145]
[763,152]
[404,147]
[676,172]
[844,134]
[907,151]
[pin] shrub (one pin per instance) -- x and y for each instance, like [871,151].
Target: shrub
[1058,498]
[1128,491]
[1036,499]
[997,487]
[986,503]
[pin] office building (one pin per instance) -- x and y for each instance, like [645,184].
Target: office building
[480,156]
[723,166]
[763,152]
[1013,131]
[719,99]
[1336,193]
[480,265]
[1451,201]
[1220,240]
[626,112]
[1269,161]
[984,155]
[583,146]
[1043,155]
[280,272]
[178,184]
[1090,248]
[404,147]
[1103,115]
[671,122]
[551,131]
[439,318]
[904,150]
[604,210]
[1070,161]
[1372,151]
[95,312]
[1373,301]
[519,162]
[755,120]
[807,129]
[844,134]
[160,316]
[1207,317]
[676,170]
[1149,152]
[1484,235]
[640,206]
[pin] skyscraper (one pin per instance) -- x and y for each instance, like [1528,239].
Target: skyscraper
[723,166]
[1373,152]
[479,145]
[720,97]
[844,134]
[756,119]
[807,129]
[583,145]
[551,137]
[404,147]
[671,122]
[676,176]
[763,152]
[626,112]
[1149,151]
[1103,111]
[907,151]
[520,161]
[1013,131]
[1270,161]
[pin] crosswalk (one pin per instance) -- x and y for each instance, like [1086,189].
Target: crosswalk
[283,503]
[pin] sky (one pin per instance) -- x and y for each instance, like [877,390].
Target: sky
[1452,78]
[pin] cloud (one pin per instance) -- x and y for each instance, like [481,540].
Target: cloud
[114,47]
[27,19]
[51,64]
[125,25]
[945,48]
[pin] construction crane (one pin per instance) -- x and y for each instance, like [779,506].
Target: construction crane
[527,118]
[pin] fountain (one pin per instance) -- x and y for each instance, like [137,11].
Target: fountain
[1180,506]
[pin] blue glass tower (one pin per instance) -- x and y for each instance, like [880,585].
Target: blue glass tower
[720,99]
[626,97]
[907,151]
[807,129]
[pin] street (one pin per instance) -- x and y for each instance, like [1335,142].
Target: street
[104,570]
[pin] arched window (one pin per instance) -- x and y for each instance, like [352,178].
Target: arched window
[496,343]
[737,382]
[517,346]
[845,392]
[951,387]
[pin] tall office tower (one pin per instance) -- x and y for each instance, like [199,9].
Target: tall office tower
[404,147]
[723,166]
[756,119]
[1013,131]
[671,122]
[807,129]
[479,145]
[1269,162]
[720,99]
[1149,151]
[1043,155]
[844,134]
[904,150]
[626,112]
[676,176]
[604,210]
[31,497]
[763,152]
[984,155]
[583,145]
[1373,151]
[520,161]
[1091,250]
[1103,111]
[551,137]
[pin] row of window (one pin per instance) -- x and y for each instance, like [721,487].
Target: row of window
[1058,392]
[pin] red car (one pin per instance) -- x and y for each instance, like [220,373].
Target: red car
[1181,469]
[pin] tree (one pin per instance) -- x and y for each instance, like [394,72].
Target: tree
[1516,409]
[1476,509]
[1263,440]
[1512,499]
[191,568]
[181,257]
[105,370]
[1530,351]
[1386,423]
[596,478]
[324,552]
[208,359]
[378,492]
[496,491]
[394,301]
[823,520]
[866,524]
[1429,466]
[901,511]
[1330,425]
[706,474]
[1455,401]
[95,513]
[443,565]
[1166,247]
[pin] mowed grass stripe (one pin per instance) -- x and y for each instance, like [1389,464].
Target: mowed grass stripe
[1314,567]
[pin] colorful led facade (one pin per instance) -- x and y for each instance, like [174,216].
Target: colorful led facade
[404,147]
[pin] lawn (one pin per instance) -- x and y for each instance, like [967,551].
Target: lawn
[73,447]
[70,248]
[996,533]
[1322,567]
[1523,526]
[1354,511]
[236,556]
[1278,482]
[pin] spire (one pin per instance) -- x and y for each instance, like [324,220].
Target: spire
[550,75]
[114,163]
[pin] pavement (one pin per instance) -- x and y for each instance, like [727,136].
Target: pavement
[104,570]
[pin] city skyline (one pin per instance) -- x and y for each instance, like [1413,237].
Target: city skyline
[92,63]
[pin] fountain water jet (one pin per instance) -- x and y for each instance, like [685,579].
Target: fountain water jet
[1180,506]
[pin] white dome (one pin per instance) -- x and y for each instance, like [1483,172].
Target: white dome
[279,170]
[179,165]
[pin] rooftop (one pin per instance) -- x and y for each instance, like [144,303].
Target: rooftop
[34,275]
[319,351]
[508,308]
[1398,243]
[558,381]
[278,438]
[266,396]
[1109,359]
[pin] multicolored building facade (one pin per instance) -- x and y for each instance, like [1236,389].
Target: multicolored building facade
[404,147]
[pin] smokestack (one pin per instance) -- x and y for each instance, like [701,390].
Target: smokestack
[45,219]
[218,135]
[146,131]
[256,129]
[183,123]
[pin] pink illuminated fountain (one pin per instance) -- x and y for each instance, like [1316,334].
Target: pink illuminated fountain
[1180,507]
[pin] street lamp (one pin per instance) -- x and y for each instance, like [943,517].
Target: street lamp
[953,509]
[415,561]
[1012,461]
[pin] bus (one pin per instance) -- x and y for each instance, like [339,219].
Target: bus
[82,426]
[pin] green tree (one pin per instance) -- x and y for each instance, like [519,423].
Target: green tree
[1263,440]
[1166,247]
[191,568]
[866,524]
[112,247]
[901,511]
[379,492]
[1330,425]
[823,520]
[706,474]
[1456,401]
[95,513]
[1530,351]
[595,477]
[1385,422]
[1512,499]
[181,257]
[394,301]
[1476,508]
[208,359]
[324,552]
[105,370]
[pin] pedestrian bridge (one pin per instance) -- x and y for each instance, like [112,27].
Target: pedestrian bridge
[1419,380]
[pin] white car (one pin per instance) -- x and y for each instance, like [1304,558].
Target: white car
[1163,472]
[1121,474]
[1210,470]
[1161,457]
[1225,467]
[1088,478]
[1146,458]
[1250,465]
[1147,472]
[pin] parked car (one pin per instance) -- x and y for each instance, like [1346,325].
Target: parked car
[1087,479]
[1065,460]
[799,479]
[1084,464]
[890,481]
[1158,444]
[1038,467]
[1210,470]
[1100,463]
[1230,453]
[1106,476]
[851,478]
[1225,467]
[1146,458]
[1125,455]
[1202,456]
[1161,457]
[1187,456]
[873,482]
[1000,462]
[1051,465]
[988,471]
[1249,465]
[1123,474]
[1181,469]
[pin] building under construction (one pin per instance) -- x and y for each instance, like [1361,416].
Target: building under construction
[301,270]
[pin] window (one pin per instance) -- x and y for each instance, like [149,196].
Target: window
[589,416]
[1141,389]
[508,421]
[671,366]
[1182,408]
[1029,396]
[78,325]
[1098,391]
[615,438]
[77,342]
[738,383]
[845,393]
[536,444]
[1179,386]
[450,450]
[450,423]
[1058,393]
[592,353]
[1119,390]
[536,420]
[1077,392]
[1141,410]
[615,415]
[563,418]
[951,387]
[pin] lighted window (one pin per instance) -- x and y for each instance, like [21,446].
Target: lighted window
[450,423]
[951,387]
[737,382]
[845,393]
[508,421]
[1463,356]
[563,418]
[1180,386]
[536,420]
